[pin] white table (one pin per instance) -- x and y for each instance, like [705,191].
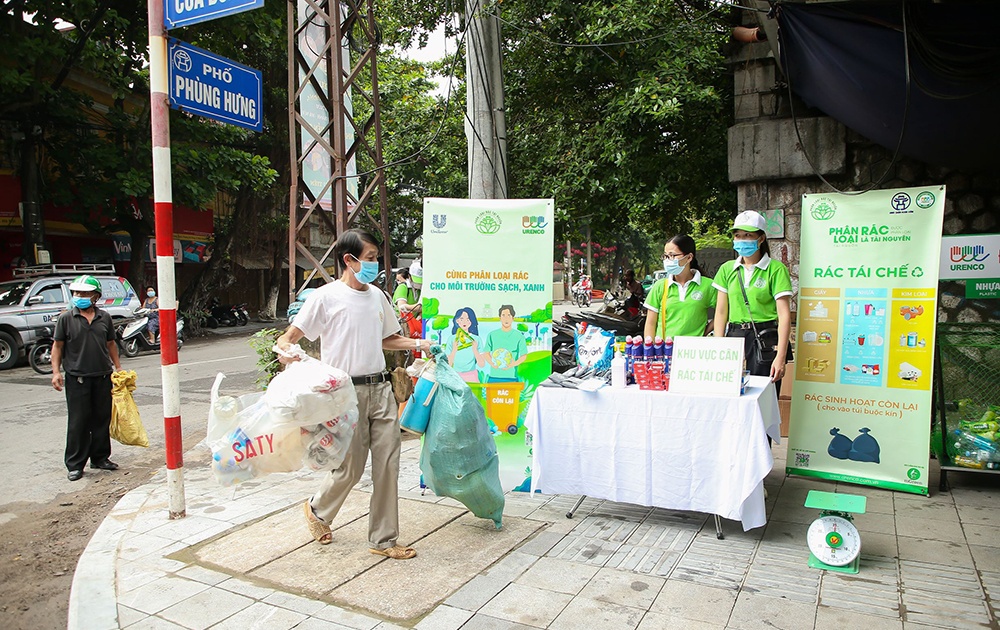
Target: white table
[684,452]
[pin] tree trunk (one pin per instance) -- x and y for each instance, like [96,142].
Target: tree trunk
[269,310]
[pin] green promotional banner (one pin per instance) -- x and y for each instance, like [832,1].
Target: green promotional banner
[864,354]
[487,298]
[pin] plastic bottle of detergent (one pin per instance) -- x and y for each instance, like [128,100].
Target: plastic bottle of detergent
[658,349]
[647,349]
[668,354]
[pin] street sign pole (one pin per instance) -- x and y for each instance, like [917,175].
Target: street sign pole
[163,204]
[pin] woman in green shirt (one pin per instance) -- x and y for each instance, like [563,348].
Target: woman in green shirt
[766,285]
[678,305]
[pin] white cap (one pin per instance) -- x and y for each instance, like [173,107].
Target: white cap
[417,272]
[749,221]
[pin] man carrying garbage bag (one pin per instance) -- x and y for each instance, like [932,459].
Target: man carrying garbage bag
[355,322]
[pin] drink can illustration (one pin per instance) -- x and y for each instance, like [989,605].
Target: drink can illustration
[911,340]
[902,340]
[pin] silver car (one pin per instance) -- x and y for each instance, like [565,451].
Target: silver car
[38,296]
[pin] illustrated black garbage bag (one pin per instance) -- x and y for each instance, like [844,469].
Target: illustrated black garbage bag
[865,448]
[459,456]
[840,445]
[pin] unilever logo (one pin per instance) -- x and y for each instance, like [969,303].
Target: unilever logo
[925,199]
[488,222]
[900,203]
[439,220]
[823,209]
[533,225]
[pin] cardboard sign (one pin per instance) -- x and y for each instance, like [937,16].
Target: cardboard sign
[707,365]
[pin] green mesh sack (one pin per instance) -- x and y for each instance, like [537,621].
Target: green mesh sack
[459,457]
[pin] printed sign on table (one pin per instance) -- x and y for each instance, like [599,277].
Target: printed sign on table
[707,365]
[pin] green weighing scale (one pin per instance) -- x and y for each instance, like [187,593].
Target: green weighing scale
[834,541]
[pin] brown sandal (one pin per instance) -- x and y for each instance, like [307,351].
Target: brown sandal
[396,553]
[319,530]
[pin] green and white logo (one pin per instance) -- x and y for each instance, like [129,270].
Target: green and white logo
[488,222]
[823,209]
[913,474]
[925,199]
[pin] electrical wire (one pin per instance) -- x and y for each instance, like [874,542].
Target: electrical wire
[902,127]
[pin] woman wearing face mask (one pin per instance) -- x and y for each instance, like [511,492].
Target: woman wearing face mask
[767,286]
[152,304]
[678,304]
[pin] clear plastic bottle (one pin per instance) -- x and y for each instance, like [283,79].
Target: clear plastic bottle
[618,371]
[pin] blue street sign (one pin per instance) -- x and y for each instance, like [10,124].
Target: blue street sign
[206,84]
[178,13]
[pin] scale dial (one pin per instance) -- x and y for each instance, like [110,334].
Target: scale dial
[834,540]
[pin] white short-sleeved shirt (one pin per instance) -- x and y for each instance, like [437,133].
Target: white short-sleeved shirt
[351,325]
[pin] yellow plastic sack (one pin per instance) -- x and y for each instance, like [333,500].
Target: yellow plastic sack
[126,426]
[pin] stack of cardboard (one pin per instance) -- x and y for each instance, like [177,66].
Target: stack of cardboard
[785,397]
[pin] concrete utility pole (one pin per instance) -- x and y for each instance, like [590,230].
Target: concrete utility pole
[485,126]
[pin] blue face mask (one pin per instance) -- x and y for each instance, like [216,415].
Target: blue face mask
[746,248]
[82,303]
[369,271]
[672,267]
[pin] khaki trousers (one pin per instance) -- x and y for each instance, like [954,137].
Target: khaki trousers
[378,432]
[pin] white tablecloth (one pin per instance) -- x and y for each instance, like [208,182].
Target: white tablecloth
[700,453]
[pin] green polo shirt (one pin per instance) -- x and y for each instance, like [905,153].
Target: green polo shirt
[769,281]
[681,311]
[513,342]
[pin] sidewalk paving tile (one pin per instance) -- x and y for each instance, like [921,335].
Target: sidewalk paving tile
[347,618]
[313,623]
[243,587]
[625,588]
[658,621]
[582,612]
[127,616]
[556,574]
[160,594]
[262,616]
[511,566]
[838,619]
[155,623]
[873,591]
[444,618]
[203,575]
[921,510]
[943,530]
[986,558]
[979,515]
[206,608]
[528,605]
[929,550]
[679,599]
[485,622]
[476,592]
[782,572]
[297,603]
[758,612]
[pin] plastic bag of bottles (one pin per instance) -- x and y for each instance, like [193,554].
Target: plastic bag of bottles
[459,457]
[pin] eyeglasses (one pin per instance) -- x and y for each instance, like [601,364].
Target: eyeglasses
[673,256]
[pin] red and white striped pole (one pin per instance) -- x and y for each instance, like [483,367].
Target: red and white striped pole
[163,204]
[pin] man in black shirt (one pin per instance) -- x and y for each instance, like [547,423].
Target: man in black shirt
[85,345]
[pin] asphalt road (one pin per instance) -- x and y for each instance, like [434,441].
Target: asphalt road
[33,415]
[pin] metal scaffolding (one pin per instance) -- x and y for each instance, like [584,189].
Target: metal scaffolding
[332,50]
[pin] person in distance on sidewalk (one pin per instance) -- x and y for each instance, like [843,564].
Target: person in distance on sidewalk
[85,345]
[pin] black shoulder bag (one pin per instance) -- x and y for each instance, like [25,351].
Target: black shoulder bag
[764,349]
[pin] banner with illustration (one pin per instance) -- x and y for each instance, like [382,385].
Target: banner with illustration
[487,298]
[868,276]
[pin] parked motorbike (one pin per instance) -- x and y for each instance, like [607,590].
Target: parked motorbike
[40,355]
[227,315]
[133,337]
